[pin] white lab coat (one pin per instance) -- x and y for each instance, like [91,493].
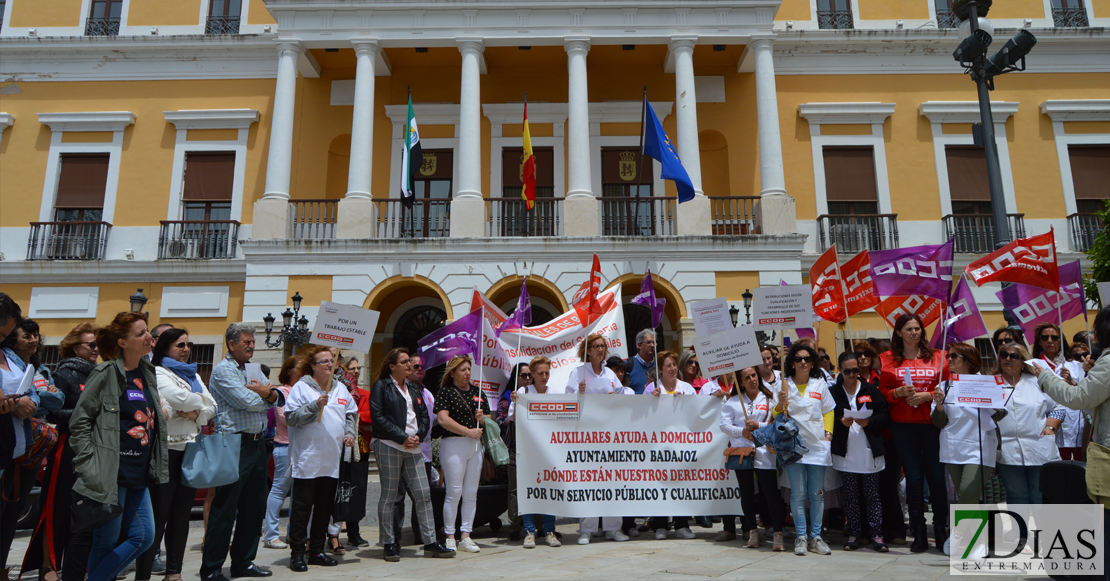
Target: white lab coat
[315,448]
[732,423]
[959,440]
[808,411]
[1022,443]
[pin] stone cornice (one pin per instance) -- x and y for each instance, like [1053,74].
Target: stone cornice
[212,118]
[845,113]
[100,271]
[88,120]
[6,121]
[964,111]
[1077,110]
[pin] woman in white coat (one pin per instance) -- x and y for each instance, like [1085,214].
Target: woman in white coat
[187,406]
[806,399]
[592,376]
[1028,430]
[670,384]
[1050,350]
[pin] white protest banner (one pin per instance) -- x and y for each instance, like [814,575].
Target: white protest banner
[600,455]
[344,326]
[783,307]
[977,391]
[728,351]
[710,316]
[557,340]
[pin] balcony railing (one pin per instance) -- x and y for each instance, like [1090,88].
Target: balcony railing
[855,232]
[68,240]
[834,19]
[733,215]
[1083,228]
[637,216]
[198,239]
[427,218]
[102,27]
[222,25]
[946,19]
[974,233]
[511,217]
[314,219]
[1069,17]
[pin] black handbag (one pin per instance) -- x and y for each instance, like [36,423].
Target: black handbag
[344,491]
[88,514]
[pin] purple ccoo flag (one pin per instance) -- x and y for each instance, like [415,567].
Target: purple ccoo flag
[459,338]
[963,318]
[802,332]
[1033,306]
[918,270]
[647,298]
[522,316]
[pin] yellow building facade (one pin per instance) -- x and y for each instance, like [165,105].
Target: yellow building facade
[224,155]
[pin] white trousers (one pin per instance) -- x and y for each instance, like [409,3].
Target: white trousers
[608,523]
[461,459]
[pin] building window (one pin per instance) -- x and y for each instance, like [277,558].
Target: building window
[623,184]
[1069,13]
[834,14]
[203,355]
[430,215]
[50,356]
[986,351]
[850,180]
[945,17]
[104,18]
[971,223]
[81,186]
[514,217]
[1090,175]
[223,17]
[205,229]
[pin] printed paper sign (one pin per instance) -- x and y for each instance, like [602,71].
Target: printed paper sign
[728,351]
[1104,293]
[710,316]
[607,455]
[344,326]
[977,391]
[782,307]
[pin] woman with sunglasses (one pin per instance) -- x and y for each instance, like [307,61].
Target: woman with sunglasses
[1029,429]
[691,370]
[1003,336]
[189,406]
[858,450]
[747,410]
[868,360]
[805,398]
[910,373]
[1050,350]
[593,376]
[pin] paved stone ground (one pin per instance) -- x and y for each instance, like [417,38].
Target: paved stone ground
[642,558]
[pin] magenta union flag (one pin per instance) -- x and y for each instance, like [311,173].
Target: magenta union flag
[1033,306]
[917,270]
[962,317]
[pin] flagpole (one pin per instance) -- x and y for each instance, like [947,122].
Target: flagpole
[640,167]
[481,349]
[844,293]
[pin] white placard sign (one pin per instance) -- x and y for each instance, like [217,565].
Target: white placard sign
[782,307]
[1104,293]
[977,391]
[710,316]
[344,326]
[728,351]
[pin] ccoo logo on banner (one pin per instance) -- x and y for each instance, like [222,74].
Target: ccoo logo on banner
[1027,539]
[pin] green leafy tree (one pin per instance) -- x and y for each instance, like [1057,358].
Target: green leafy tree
[1099,254]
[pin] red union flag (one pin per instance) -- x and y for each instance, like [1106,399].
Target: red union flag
[828,293]
[585,300]
[1030,261]
[927,308]
[857,281]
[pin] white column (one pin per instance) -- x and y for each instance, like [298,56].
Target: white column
[357,216]
[272,214]
[694,217]
[580,209]
[775,211]
[468,209]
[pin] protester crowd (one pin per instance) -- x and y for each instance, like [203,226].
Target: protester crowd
[115,438]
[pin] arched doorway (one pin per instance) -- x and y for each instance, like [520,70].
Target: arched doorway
[412,326]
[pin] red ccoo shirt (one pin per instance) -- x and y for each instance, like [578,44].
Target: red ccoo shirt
[925,376]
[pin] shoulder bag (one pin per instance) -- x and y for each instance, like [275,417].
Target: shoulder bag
[1098,467]
[211,461]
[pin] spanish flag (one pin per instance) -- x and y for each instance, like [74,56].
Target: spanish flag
[529,174]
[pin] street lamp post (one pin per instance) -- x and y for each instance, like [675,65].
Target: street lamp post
[734,315]
[294,331]
[748,305]
[138,301]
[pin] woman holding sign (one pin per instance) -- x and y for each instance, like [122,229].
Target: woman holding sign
[1028,430]
[910,373]
[805,398]
[744,413]
[593,376]
[461,408]
[670,384]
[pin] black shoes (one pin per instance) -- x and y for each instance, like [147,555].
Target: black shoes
[322,559]
[213,576]
[940,534]
[357,541]
[438,551]
[298,564]
[920,540]
[703,522]
[252,570]
[392,552]
[514,535]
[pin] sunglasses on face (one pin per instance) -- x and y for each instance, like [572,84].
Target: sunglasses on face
[1081,355]
[417,366]
[952,356]
[526,376]
[1012,356]
[90,345]
[825,358]
[1050,338]
[181,345]
[1005,341]
[803,359]
[852,371]
[689,363]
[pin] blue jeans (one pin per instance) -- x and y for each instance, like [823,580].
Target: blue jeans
[807,482]
[109,557]
[283,483]
[1023,483]
[530,523]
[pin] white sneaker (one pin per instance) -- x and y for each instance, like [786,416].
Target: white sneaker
[583,538]
[469,546]
[948,546]
[451,545]
[800,546]
[597,534]
[684,533]
[553,541]
[978,553]
[633,532]
[818,545]
[616,536]
[530,541]
[660,534]
[275,544]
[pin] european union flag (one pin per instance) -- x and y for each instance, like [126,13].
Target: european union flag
[658,147]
